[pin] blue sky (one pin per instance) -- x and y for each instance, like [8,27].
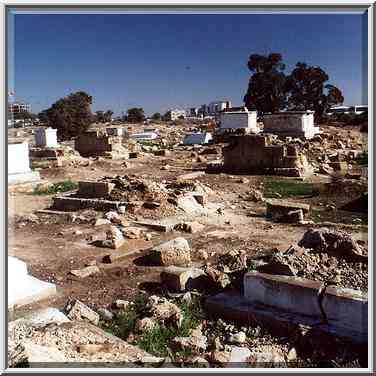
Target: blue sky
[163,61]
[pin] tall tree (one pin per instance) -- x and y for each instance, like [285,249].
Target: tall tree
[71,115]
[157,116]
[103,117]
[308,90]
[108,116]
[135,115]
[267,85]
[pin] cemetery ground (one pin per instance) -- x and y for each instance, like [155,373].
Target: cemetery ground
[231,223]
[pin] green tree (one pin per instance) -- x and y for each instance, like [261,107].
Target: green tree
[135,115]
[24,115]
[71,115]
[308,90]
[108,116]
[103,117]
[157,116]
[267,85]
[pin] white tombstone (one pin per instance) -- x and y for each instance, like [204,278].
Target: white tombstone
[197,138]
[291,123]
[46,137]
[18,164]
[239,119]
[24,288]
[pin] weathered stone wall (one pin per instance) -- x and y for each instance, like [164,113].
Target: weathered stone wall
[93,144]
[252,153]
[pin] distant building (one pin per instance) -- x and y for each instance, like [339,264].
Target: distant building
[218,106]
[176,114]
[16,107]
[194,111]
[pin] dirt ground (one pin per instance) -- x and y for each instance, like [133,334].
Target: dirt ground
[53,247]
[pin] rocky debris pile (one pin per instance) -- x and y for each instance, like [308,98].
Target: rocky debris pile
[335,243]
[41,343]
[332,257]
[174,252]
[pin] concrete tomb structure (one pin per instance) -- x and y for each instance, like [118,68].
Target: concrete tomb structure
[115,131]
[291,124]
[19,165]
[257,154]
[98,143]
[197,138]
[23,288]
[45,137]
[239,119]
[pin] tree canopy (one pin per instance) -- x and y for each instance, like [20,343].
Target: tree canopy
[267,85]
[70,115]
[103,117]
[306,88]
[135,115]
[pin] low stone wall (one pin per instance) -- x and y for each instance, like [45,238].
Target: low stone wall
[68,202]
[255,154]
[93,143]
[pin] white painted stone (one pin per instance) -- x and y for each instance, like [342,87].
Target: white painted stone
[118,132]
[18,164]
[291,123]
[18,158]
[23,288]
[239,119]
[292,294]
[346,308]
[198,138]
[46,137]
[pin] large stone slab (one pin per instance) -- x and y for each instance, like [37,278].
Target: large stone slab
[24,289]
[292,294]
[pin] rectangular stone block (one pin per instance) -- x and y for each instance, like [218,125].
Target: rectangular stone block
[91,189]
[279,208]
[292,294]
[347,309]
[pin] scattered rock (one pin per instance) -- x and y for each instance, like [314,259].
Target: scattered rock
[277,266]
[79,311]
[113,217]
[174,252]
[219,278]
[237,338]
[191,227]
[122,304]
[102,222]
[334,243]
[182,279]
[220,357]
[146,324]
[196,341]
[85,272]
[232,261]
[164,311]
[105,314]
[114,238]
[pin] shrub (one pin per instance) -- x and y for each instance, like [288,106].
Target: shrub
[63,186]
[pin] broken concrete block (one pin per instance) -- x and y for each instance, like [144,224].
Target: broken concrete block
[182,279]
[85,272]
[113,216]
[347,309]
[278,210]
[294,216]
[292,294]
[174,252]
[189,203]
[93,189]
[32,355]
[114,238]
[192,175]
[77,310]
[201,198]
[196,341]
[102,222]
[268,356]
[105,314]
[238,357]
